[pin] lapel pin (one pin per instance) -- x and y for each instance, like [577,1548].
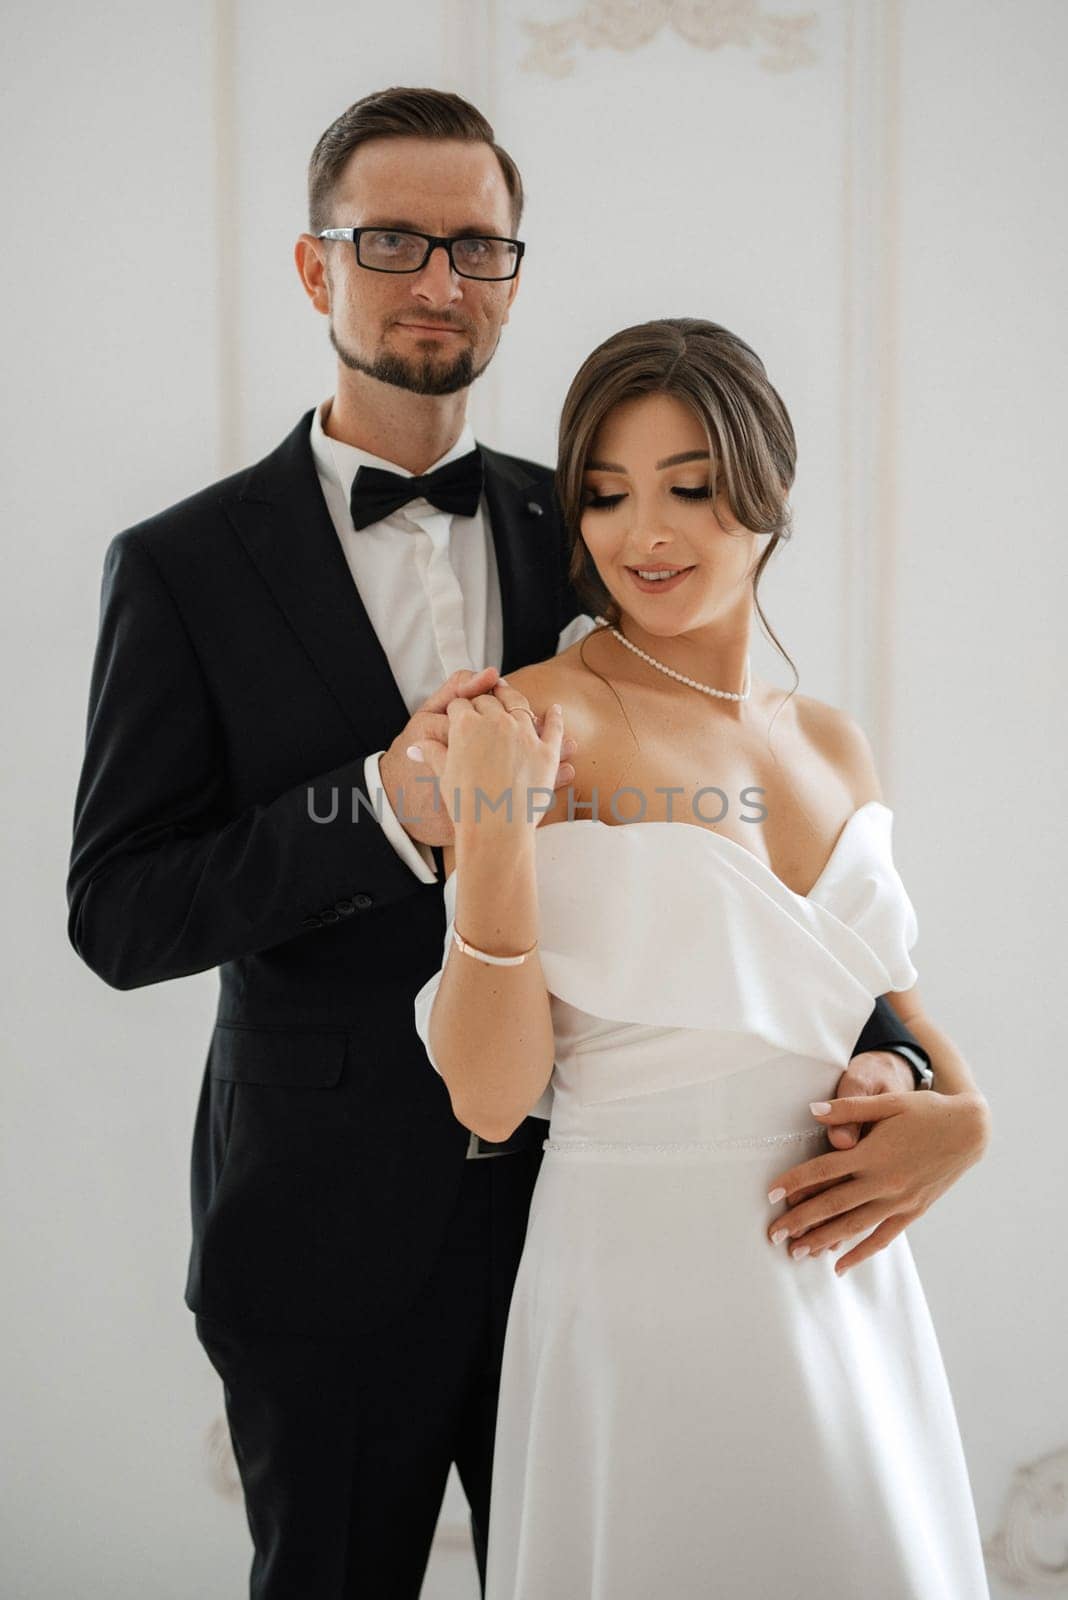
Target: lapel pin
[533,506]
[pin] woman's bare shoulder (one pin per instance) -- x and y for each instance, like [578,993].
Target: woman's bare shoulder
[552,677]
[564,679]
[539,682]
[842,742]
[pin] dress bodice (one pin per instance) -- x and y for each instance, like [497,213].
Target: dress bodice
[672,954]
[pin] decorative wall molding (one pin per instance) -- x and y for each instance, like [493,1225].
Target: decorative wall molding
[785,42]
[468,42]
[470,63]
[869,420]
[227,235]
[1030,1549]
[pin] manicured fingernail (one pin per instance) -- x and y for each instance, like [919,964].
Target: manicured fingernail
[779,1235]
[800,1253]
[504,681]
[557,706]
[776,1194]
[819,1108]
[415,752]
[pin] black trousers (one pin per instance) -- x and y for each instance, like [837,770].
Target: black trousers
[344,1447]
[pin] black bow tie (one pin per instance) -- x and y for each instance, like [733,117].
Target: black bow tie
[455,487]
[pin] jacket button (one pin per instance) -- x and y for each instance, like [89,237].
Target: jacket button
[362,901]
[311,922]
[534,508]
[329,915]
[346,907]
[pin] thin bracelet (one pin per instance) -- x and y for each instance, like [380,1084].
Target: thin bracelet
[494,961]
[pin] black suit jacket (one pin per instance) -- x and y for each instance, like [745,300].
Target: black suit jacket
[237,686]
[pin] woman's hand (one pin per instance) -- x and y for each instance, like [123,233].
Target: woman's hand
[499,768]
[919,1144]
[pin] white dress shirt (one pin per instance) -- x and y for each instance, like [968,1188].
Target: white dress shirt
[428,581]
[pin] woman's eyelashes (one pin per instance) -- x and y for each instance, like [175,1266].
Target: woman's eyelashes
[605,502]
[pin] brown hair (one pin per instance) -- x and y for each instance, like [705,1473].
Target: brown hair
[751,443]
[399,114]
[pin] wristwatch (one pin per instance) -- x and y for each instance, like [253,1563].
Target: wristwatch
[924,1075]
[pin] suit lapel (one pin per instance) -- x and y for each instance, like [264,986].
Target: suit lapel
[523,522]
[283,522]
[281,517]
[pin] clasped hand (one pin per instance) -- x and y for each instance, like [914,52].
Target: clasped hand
[469,735]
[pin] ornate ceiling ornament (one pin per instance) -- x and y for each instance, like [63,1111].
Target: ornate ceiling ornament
[708,24]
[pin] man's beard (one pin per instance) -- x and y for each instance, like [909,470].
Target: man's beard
[419,375]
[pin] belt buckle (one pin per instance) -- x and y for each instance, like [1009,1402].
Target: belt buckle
[474,1153]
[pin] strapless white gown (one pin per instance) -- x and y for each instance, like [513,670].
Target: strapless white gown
[685,1411]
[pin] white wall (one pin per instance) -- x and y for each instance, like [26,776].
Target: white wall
[883,217]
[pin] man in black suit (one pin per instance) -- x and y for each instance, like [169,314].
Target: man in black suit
[268,649]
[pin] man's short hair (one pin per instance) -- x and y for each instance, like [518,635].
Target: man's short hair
[399,113]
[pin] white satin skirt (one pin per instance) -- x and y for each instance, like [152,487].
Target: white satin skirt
[687,1412]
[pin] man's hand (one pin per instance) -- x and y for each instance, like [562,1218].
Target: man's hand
[418,808]
[871,1072]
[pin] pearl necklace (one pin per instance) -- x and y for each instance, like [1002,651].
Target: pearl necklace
[680,677]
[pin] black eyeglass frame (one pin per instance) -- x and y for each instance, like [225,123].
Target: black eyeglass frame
[432,243]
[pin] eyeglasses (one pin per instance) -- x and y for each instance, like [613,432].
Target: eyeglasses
[488,257]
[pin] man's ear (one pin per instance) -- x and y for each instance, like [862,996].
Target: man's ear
[310,258]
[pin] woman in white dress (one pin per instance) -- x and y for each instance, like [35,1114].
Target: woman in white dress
[685,1410]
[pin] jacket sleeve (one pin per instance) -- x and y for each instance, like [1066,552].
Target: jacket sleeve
[884,1030]
[162,882]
